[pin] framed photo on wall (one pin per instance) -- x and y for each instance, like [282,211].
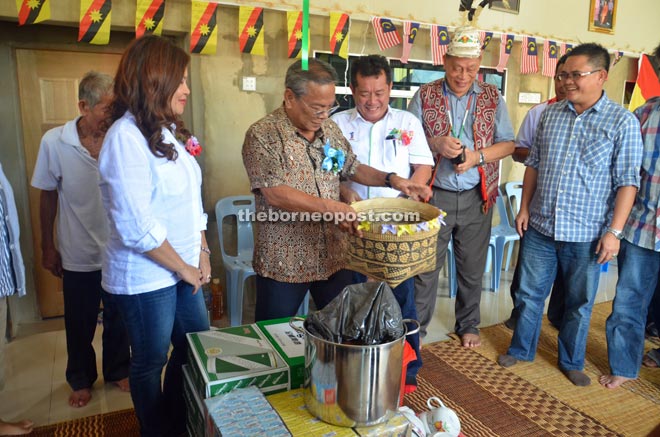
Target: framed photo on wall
[602,15]
[511,6]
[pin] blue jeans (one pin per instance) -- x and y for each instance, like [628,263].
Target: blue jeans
[405,296]
[638,275]
[153,320]
[540,258]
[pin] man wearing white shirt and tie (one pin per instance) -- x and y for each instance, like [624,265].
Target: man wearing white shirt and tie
[389,140]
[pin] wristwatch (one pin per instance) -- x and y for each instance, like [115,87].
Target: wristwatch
[387,179]
[482,159]
[617,233]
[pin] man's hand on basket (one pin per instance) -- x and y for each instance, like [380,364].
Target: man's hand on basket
[414,190]
[344,216]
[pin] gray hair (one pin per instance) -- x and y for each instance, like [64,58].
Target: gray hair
[319,72]
[94,86]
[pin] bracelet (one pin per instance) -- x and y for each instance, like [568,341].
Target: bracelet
[482,159]
[206,250]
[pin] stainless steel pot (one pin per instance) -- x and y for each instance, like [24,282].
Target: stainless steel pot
[352,385]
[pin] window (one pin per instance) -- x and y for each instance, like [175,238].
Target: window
[406,78]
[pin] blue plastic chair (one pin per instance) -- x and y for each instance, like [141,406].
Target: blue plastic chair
[238,267]
[504,234]
[513,191]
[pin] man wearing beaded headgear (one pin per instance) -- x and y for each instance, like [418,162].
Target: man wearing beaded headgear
[468,130]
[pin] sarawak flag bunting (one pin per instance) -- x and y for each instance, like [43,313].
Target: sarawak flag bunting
[32,11]
[339,27]
[386,34]
[647,85]
[95,18]
[294,31]
[250,25]
[506,45]
[410,29]
[550,58]
[203,28]
[439,44]
[565,49]
[485,38]
[529,63]
[149,17]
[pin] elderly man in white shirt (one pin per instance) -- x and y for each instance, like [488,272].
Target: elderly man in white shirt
[67,174]
[389,140]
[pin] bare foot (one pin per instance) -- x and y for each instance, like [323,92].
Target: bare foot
[80,398]
[471,340]
[16,428]
[612,381]
[123,385]
[649,362]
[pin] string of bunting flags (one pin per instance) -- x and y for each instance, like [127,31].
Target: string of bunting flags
[96,19]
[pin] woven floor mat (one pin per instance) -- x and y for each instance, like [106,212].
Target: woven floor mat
[632,409]
[491,401]
[115,424]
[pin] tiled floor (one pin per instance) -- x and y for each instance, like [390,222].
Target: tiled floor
[36,360]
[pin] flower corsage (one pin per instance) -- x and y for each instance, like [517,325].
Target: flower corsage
[334,158]
[191,144]
[403,136]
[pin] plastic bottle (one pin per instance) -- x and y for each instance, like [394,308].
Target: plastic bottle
[217,299]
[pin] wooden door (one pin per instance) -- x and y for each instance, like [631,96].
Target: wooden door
[48,88]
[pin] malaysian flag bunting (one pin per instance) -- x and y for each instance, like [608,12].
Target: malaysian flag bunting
[294,31]
[529,63]
[485,38]
[565,49]
[95,19]
[439,42]
[616,57]
[32,11]
[386,34]
[410,29]
[149,17]
[550,58]
[506,44]
[250,26]
[340,26]
[203,28]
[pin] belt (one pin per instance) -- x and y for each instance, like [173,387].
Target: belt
[456,192]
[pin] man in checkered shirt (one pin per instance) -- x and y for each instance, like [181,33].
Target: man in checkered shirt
[579,187]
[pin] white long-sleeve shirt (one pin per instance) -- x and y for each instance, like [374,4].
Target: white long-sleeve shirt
[148,199]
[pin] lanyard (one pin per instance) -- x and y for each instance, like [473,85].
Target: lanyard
[451,120]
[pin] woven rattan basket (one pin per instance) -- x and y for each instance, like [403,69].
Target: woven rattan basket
[391,250]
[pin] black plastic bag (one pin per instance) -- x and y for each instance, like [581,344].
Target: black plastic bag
[363,314]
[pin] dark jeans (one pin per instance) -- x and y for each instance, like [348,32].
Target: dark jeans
[556,305]
[82,300]
[405,296]
[154,320]
[277,299]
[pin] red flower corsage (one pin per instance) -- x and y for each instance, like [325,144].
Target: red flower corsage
[193,147]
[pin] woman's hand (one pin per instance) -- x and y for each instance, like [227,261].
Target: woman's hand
[191,275]
[204,267]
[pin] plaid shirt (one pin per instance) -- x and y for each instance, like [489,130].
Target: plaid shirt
[643,227]
[582,160]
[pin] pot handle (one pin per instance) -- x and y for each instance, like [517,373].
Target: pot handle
[414,331]
[300,319]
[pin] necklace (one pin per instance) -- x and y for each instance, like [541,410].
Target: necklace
[449,115]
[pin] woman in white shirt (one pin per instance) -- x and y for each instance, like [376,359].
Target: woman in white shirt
[156,258]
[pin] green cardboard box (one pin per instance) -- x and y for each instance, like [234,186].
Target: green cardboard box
[289,343]
[195,409]
[240,356]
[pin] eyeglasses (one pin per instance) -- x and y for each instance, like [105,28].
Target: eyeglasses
[320,113]
[575,75]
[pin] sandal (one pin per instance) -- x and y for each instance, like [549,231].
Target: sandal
[652,358]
